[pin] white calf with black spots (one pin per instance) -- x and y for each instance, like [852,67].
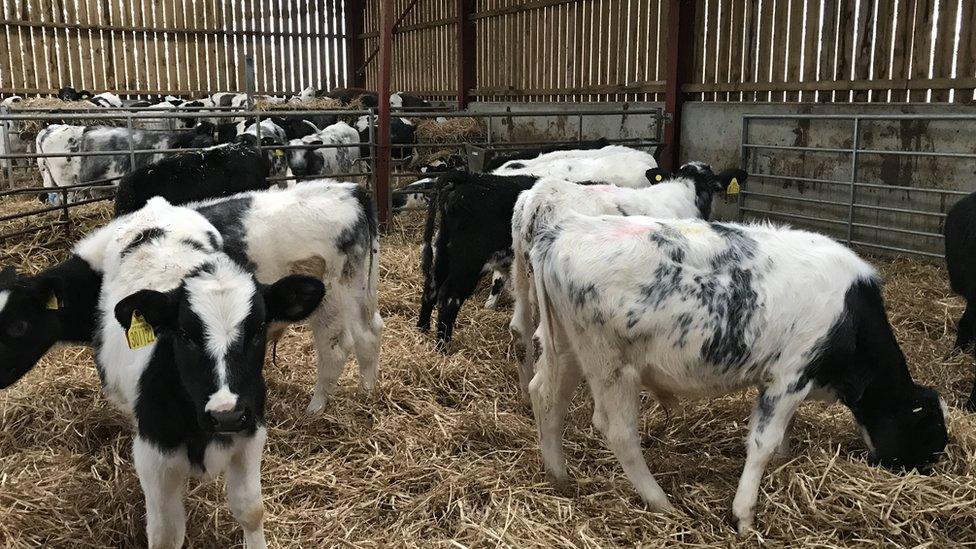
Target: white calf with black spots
[690,308]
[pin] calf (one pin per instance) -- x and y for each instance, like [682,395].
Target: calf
[404,100]
[685,194]
[690,308]
[325,161]
[616,165]
[180,348]
[192,176]
[60,171]
[15,137]
[402,136]
[329,231]
[271,134]
[527,154]
[103,139]
[474,236]
[107,100]
[960,255]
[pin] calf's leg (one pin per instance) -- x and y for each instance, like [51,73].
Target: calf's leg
[770,421]
[163,479]
[244,490]
[616,412]
[551,390]
[328,332]
[966,329]
[497,287]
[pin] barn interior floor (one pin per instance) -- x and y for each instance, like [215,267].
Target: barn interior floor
[444,451]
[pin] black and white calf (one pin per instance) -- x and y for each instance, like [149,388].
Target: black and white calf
[404,100]
[685,194]
[328,230]
[271,134]
[691,308]
[117,140]
[59,171]
[192,176]
[402,136]
[960,255]
[195,387]
[328,160]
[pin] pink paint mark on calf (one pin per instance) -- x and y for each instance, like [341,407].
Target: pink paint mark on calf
[629,230]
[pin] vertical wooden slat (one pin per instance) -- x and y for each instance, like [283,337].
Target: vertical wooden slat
[945,46]
[922,45]
[966,59]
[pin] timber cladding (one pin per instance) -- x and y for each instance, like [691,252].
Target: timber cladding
[744,50]
[900,51]
[186,47]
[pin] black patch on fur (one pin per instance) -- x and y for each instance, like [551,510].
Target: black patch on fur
[144,237]
[227,216]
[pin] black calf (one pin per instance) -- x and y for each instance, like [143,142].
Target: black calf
[193,176]
[475,230]
[960,255]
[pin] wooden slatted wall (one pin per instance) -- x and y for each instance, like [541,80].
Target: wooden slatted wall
[424,47]
[186,47]
[583,50]
[836,51]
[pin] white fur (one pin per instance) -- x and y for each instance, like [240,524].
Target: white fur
[799,278]
[4,297]
[549,200]
[223,400]
[286,227]
[621,166]
[222,300]
[396,100]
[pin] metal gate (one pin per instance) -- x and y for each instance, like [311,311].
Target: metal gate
[883,182]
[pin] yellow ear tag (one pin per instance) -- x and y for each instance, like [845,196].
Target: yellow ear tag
[279,152]
[52,303]
[733,187]
[140,333]
[658,178]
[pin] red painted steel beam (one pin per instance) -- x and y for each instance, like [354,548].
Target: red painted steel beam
[680,62]
[372,55]
[467,51]
[382,161]
[355,11]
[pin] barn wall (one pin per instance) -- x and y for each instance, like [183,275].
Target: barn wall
[186,47]
[809,51]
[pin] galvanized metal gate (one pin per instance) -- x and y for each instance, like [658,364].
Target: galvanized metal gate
[853,177]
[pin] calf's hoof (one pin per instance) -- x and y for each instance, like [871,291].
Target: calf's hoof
[316,405]
[743,525]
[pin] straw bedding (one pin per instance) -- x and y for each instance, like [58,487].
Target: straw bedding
[54,105]
[444,452]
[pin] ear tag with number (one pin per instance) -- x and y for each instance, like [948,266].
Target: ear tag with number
[52,303]
[279,152]
[140,333]
[733,187]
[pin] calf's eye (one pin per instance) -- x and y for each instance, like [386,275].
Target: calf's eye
[17,328]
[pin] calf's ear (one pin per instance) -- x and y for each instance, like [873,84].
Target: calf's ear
[657,175]
[292,298]
[725,178]
[157,308]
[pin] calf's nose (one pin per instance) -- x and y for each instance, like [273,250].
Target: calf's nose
[230,421]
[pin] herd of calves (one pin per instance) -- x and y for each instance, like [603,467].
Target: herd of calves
[617,276]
